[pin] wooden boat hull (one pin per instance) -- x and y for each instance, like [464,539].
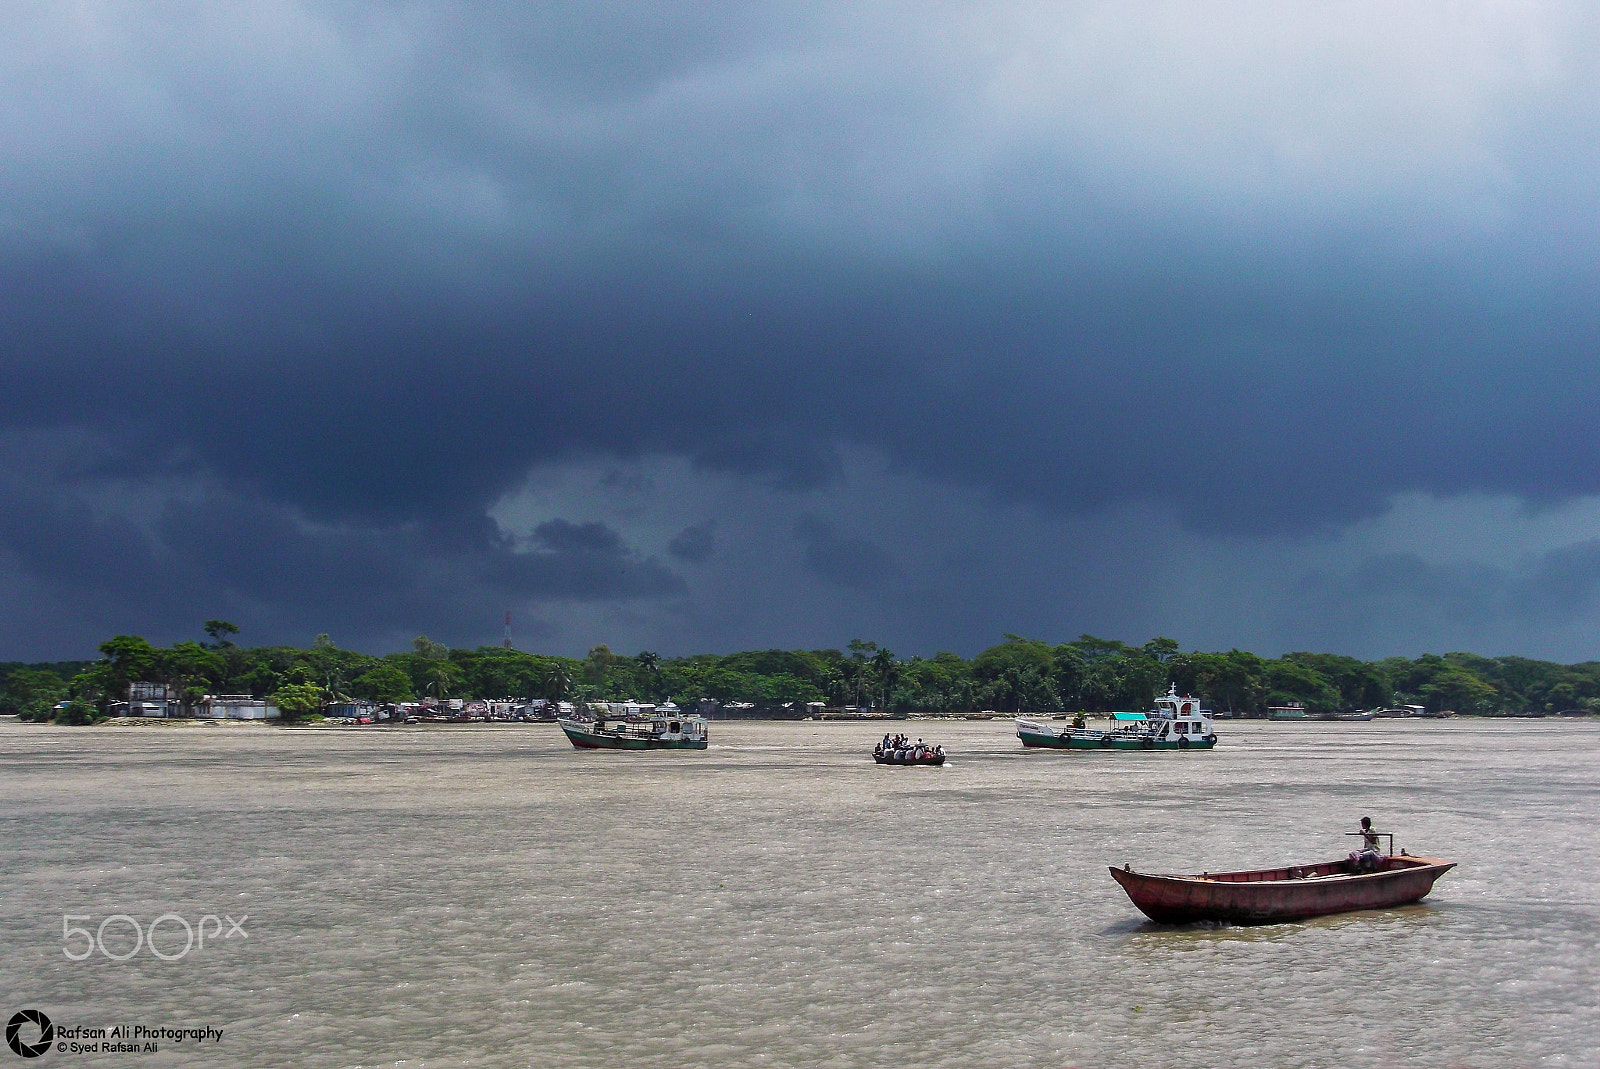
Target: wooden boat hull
[584,739]
[1098,740]
[1291,893]
[936,759]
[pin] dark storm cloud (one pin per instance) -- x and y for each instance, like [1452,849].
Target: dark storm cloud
[1461,605]
[694,543]
[209,552]
[356,269]
[1564,584]
[851,562]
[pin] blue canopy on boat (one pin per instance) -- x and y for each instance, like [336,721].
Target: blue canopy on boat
[1128,716]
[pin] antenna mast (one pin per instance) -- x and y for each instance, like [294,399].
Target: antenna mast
[506,642]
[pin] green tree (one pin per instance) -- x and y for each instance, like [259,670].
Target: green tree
[1097,649]
[1067,669]
[260,679]
[80,713]
[558,681]
[192,668]
[1161,649]
[383,682]
[128,659]
[851,672]
[598,663]
[1359,685]
[29,690]
[443,679]
[861,654]
[1459,691]
[427,648]
[1016,674]
[218,630]
[648,674]
[1235,680]
[1292,681]
[493,672]
[885,669]
[295,700]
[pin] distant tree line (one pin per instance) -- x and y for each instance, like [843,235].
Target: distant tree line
[1018,675]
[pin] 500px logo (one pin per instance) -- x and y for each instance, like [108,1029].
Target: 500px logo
[124,927]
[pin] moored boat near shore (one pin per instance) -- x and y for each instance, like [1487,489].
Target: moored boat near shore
[1293,892]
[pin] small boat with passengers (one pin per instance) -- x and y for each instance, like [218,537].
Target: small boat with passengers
[627,726]
[1366,880]
[1176,723]
[899,750]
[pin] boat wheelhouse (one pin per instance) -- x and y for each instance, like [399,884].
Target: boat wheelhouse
[1178,722]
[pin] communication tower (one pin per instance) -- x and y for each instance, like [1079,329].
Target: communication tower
[506,642]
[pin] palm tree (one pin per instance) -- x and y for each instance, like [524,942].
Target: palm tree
[439,678]
[883,663]
[557,680]
[651,664]
[837,685]
[850,674]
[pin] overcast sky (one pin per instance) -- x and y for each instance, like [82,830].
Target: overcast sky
[721,326]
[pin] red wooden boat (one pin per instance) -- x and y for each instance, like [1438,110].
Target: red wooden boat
[1267,896]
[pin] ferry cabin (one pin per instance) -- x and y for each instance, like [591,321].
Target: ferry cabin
[1181,717]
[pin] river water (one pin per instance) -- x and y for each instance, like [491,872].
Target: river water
[487,896]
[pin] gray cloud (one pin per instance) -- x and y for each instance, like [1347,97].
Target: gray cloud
[694,543]
[850,562]
[1459,605]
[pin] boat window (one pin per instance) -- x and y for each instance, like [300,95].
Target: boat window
[674,726]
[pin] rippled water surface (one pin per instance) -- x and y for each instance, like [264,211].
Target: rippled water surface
[442,896]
